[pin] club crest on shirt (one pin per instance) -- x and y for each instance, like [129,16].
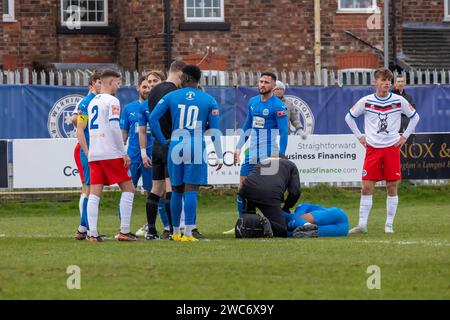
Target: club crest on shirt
[59,123]
[190,95]
[266,112]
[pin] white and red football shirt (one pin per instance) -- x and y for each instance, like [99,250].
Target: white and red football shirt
[104,130]
[382,118]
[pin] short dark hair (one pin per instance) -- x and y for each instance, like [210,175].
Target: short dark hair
[269,74]
[177,66]
[109,73]
[192,73]
[94,77]
[383,73]
[142,79]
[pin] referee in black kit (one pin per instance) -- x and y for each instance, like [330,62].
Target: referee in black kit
[264,189]
[161,181]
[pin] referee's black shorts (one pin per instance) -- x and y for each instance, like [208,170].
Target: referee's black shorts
[159,161]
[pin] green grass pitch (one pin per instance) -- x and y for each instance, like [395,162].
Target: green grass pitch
[37,246]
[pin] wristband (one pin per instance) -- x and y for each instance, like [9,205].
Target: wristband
[143,152]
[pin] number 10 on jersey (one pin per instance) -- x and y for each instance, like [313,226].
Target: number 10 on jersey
[191,116]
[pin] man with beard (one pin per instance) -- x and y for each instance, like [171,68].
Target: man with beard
[266,118]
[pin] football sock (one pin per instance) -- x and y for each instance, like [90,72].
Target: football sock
[126,207]
[175,206]
[92,211]
[190,210]
[391,206]
[163,214]
[364,210]
[152,208]
[80,204]
[240,205]
[168,206]
[84,215]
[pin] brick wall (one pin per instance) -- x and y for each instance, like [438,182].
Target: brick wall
[423,11]
[142,19]
[263,35]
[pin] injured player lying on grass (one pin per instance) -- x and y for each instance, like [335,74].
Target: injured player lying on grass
[307,221]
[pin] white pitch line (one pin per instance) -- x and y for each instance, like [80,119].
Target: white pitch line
[433,243]
[406,242]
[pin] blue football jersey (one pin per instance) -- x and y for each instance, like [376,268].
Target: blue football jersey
[191,110]
[262,117]
[83,110]
[144,120]
[129,121]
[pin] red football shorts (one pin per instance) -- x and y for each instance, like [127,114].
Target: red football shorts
[108,172]
[382,164]
[76,155]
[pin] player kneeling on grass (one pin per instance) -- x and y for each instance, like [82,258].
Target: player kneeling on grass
[312,221]
[264,189]
[108,159]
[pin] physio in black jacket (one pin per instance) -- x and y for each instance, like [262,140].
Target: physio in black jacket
[265,187]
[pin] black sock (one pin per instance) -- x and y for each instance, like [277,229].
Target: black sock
[169,215]
[152,209]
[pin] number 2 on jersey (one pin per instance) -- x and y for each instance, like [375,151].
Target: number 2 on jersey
[191,117]
[94,118]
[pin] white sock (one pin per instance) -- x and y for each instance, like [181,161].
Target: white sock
[126,206]
[92,210]
[176,230]
[167,228]
[188,230]
[80,204]
[391,206]
[82,229]
[365,206]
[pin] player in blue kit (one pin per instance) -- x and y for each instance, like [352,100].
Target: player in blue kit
[312,221]
[129,123]
[83,151]
[191,110]
[145,138]
[266,118]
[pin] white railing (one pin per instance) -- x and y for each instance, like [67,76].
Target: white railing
[225,78]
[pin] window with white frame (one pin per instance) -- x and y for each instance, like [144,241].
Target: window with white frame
[203,10]
[78,13]
[8,10]
[447,10]
[357,5]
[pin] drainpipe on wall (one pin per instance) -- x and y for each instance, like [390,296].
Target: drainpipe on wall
[317,57]
[386,33]
[394,32]
[167,34]
[136,57]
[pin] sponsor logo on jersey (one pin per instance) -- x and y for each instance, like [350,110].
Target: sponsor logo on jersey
[115,110]
[59,123]
[303,112]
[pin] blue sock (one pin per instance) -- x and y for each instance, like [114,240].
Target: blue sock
[240,205]
[176,203]
[162,212]
[334,230]
[190,207]
[84,217]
